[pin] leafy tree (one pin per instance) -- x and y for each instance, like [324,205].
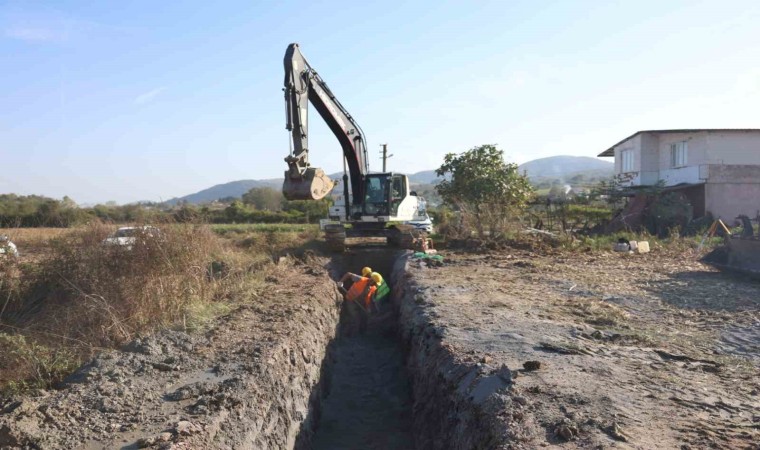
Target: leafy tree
[236,212]
[264,198]
[487,191]
[312,210]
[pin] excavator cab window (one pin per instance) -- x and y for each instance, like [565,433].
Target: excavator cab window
[377,192]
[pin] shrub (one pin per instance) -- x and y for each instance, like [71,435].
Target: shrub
[104,294]
[29,364]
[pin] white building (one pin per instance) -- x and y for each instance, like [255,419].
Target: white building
[717,169]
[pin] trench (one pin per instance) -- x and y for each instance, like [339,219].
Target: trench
[365,397]
[366,389]
[400,385]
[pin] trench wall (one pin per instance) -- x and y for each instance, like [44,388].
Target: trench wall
[457,404]
[286,392]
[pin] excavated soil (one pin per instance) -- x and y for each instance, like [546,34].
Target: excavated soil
[491,350]
[592,350]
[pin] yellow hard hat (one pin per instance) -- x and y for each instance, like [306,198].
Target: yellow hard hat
[366,271]
[377,278]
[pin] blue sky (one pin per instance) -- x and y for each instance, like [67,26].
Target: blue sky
[148,100]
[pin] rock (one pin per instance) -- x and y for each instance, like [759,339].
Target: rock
[164,437]
[146,442]
[530,366]
[566,430]
[617,432]
[186,428]
[520,400]
[486,359]
[504,373]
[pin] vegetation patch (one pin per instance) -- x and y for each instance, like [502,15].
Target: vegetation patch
[84,293]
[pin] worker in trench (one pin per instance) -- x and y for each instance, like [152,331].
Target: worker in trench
[359,293]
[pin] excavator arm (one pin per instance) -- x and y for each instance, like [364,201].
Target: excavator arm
[303,85]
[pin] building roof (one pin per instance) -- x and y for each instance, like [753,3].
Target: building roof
[611,151]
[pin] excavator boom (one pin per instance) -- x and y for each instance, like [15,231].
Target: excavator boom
[304,85]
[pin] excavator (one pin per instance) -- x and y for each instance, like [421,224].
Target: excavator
[374,204]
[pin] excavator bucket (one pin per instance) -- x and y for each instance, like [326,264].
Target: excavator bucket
[312,185]
[737,255]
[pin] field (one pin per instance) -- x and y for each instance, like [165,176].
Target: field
[602,348]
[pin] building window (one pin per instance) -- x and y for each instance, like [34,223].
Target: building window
[626,156]
[678,154]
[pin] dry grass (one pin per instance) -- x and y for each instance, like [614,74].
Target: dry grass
[271,241]
[34,236]
[84,295]
[599,313]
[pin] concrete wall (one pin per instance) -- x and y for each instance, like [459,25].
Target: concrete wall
[733,190]
[650,152]
[635,145]
[689,175]
[730,200]
[696,154]
[737,147]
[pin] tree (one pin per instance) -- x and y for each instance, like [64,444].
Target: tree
[312,210]
[236,212]
[264,198]
[487,191]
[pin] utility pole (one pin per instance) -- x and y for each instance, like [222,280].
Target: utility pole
[385,155]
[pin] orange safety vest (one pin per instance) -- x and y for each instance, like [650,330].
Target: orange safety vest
[357,289]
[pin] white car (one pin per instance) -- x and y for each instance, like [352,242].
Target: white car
[127,236]
[425,225]
[7,247]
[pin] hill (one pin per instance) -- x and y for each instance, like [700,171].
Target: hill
[232,189]
[238,188]
[565,167]
[544,170]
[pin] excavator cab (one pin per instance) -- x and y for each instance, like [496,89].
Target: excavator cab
[312,184]
[383,193]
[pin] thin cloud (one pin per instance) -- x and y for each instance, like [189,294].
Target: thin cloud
[147,97]
[32,34]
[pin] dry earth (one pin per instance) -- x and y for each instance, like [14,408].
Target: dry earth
[632,351]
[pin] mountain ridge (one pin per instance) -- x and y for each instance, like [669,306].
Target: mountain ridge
[553,167]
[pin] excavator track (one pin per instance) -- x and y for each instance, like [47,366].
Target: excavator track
[335,237]
[399,236]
